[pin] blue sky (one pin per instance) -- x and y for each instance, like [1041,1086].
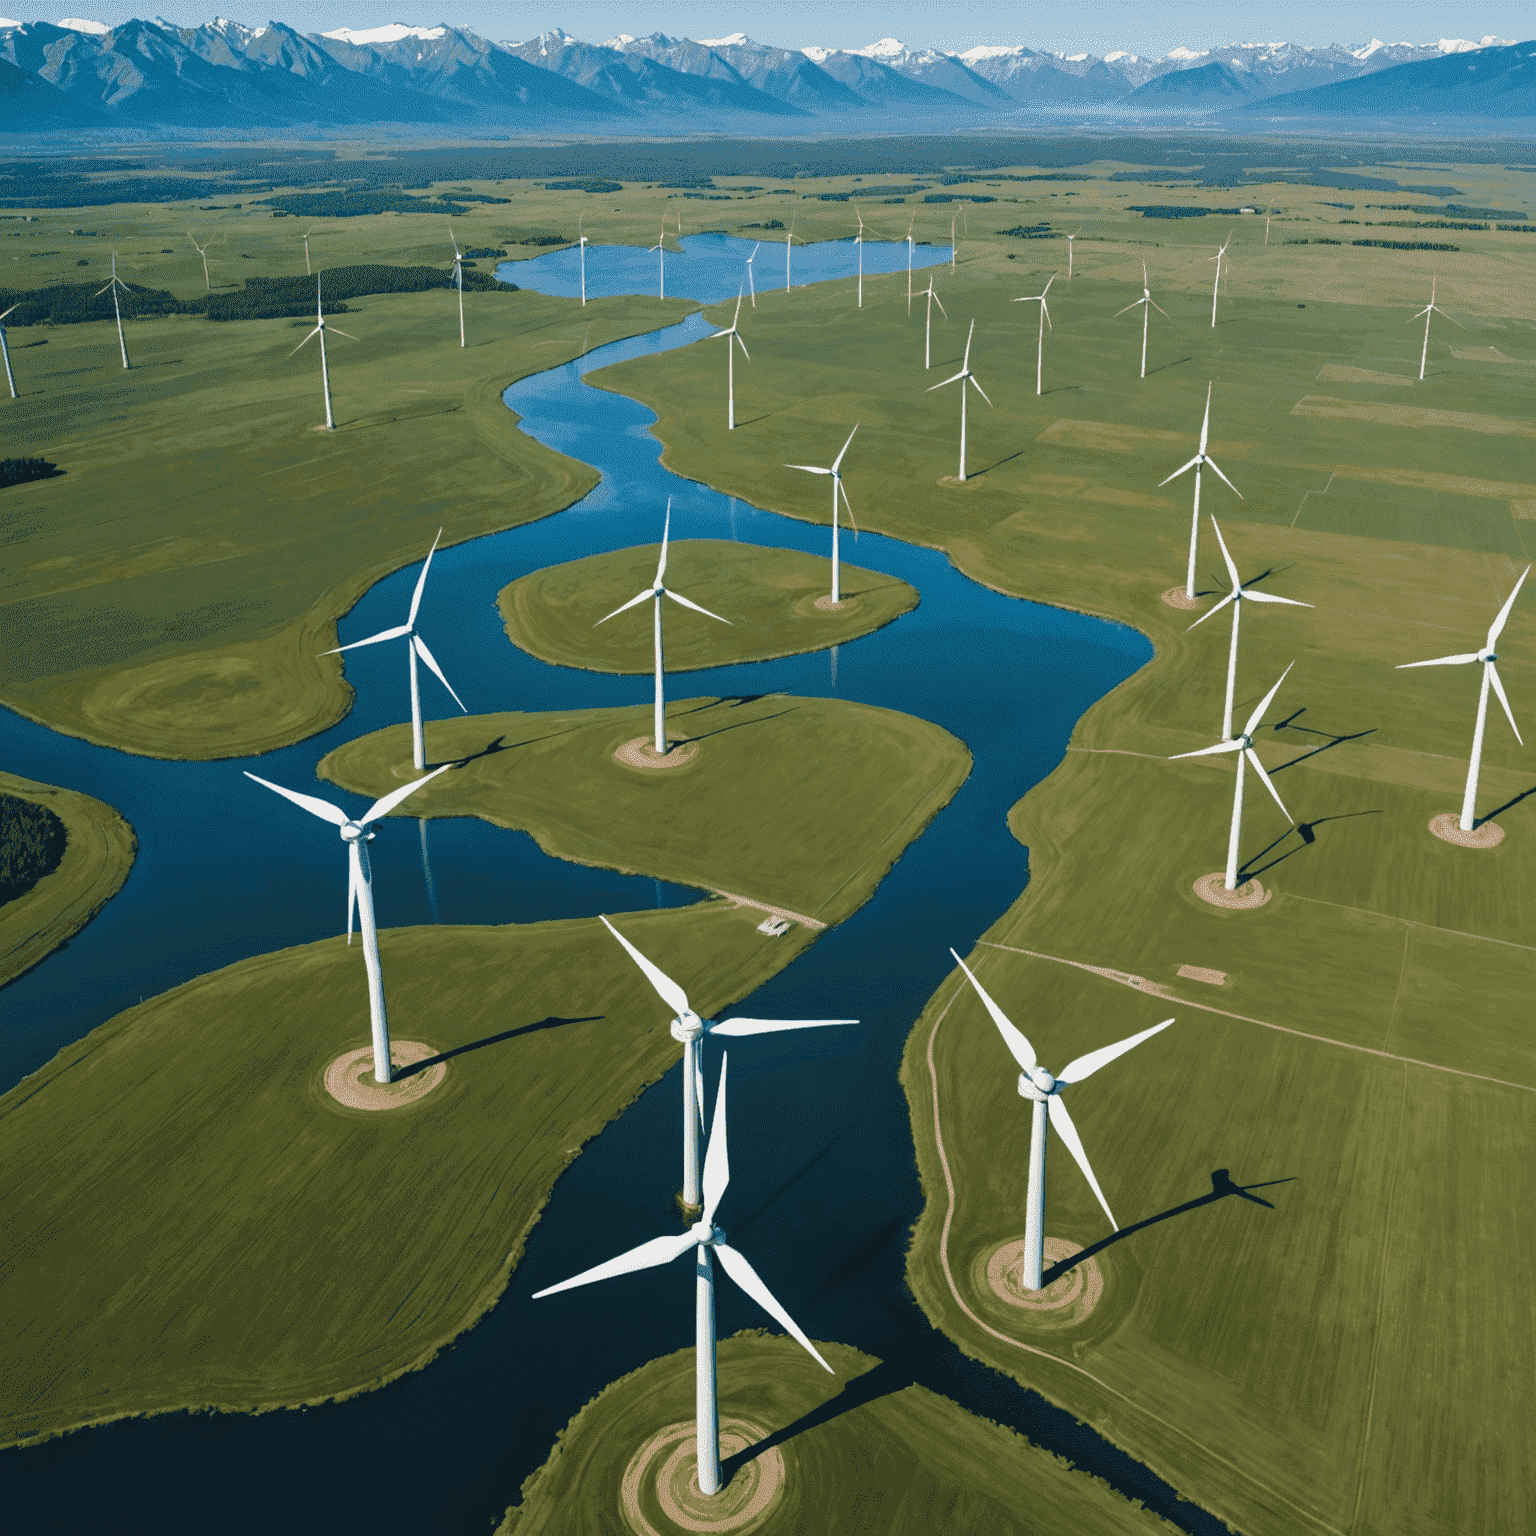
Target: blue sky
[1095,26]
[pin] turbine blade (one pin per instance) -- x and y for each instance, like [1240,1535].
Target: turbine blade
[351,899]
[937,300]
[660,1250]
[1497,627]
[689,603]
[666,989]
[639,597]
[1158,307]
[421,581]
[735,1027]
[1440,661]
[810,469]
[311,803]
[1181,470]
[1251,596]
[717,1157]
[1265,702]
[1013,1037]
[1221,746]
[1258,768]
[1209,611]
[954,378]
[1237,581]
[431,661]
[334,332]
[1212,462]
[837,463]
[383,634]
[740,343]
[970,335]
[666,535]
[301,345]
[1136,305]
[1205,425]
[979,390]
[1086,1066]
[383,807]
[736,1266]
[1068,1133]
[843,490]
[1498,688]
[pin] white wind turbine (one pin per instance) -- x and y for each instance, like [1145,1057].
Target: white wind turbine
[703,1237]
[414,646]
[112,286]
[751,280]
[789,234]
[1045,320]
[688,1029]
[661,260]
[5,352]
[1070,238]
[1147,304]
[1219,258]
[1237,596]
[202,250]
[965,377]
[933,299]
[321,329]
[858,240]
[656,591]
[910,225]
[1429,311]
[955,219]
[836,472]
[458,276]
[1243,746]
[1044,1094]
[581,246]
[307,234]
[1487,656]
[355,834]
[1200,460]
[732,341]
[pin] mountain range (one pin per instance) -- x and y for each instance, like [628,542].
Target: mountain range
[155,76]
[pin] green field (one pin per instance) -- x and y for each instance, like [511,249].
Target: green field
[906,1461]
[768,596]
[98,853]
[202,1225]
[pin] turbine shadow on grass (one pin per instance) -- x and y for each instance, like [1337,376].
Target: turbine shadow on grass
[500,744]
[736,726]
[1330,739]
[1164,367]
[1306,830]
[1507,806]
[749,421]
[976,474]
[552,1022]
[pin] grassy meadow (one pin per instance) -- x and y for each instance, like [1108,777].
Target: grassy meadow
[768,597]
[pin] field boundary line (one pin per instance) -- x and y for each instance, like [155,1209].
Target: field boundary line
[1413,922]
[1168,995]
[1044,1354]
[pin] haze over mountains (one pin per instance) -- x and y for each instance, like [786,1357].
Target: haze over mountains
[156,77]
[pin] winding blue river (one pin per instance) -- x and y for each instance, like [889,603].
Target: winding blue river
[823,1196]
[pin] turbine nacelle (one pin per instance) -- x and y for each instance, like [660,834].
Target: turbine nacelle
[688,1027]
[706,1234]
[353,831]
[1037,1085]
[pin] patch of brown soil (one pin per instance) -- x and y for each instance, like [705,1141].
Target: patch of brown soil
[1342,373]
[1203,973]
[1448,829]
[741,1506]
[349,1079]
[1175,598]
[642,753]
[1061,1304]
[1213,888]
[1419,418]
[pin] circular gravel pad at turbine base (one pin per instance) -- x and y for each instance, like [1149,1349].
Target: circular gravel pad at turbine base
[660,1493]
[825,604]
[349,1079]
[1176,597]
[1213,888]
[1063,1303]
[642,753]
[1448,829]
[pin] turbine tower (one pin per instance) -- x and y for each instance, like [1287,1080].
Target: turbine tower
[655,592]
[789,234]
[910,225]
[704,1237]
[112,286]
[1487,656]
[1429,311]
[1237,596]
[5,352]
[955,219]
[1045,320]
[458,277]
[1146,303]
[1200,460]
[751,280]
[581,245]
[1219,258]
[933,299]
[836,472]
[307,234]
[202,250]
[321,330]
[661,259]
[858,240]
[1070,238]
[414,646]
[1044,1095]
[732,341]
[964,377]
[688,1029]
[355,835]
[1243,746]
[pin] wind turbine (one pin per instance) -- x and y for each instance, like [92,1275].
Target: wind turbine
[732,341]
[1237,596]
[1044,1094]
[933,299]
[5,352]
[858,240]
[1490,679]
[656,591]
[703,1237]
[1243,746]
[581,245]
[965,376]
[113,285]
[1070,238]
[751,280]
[458,274]
[789,235]
[910,224]
[1148,304]
[202,250]
[1218,258]
[414,646]
[688,1029]
[325,373]
[661,259]
[1429,311]
[1200,460]
[307,234]
[1045,320]
[836,472]
[955,219]
[355,833]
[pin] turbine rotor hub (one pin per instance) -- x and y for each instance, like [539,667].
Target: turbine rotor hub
[354,832]
[1486,655]
[688,1028]
[1036,1085]
[706,1234]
